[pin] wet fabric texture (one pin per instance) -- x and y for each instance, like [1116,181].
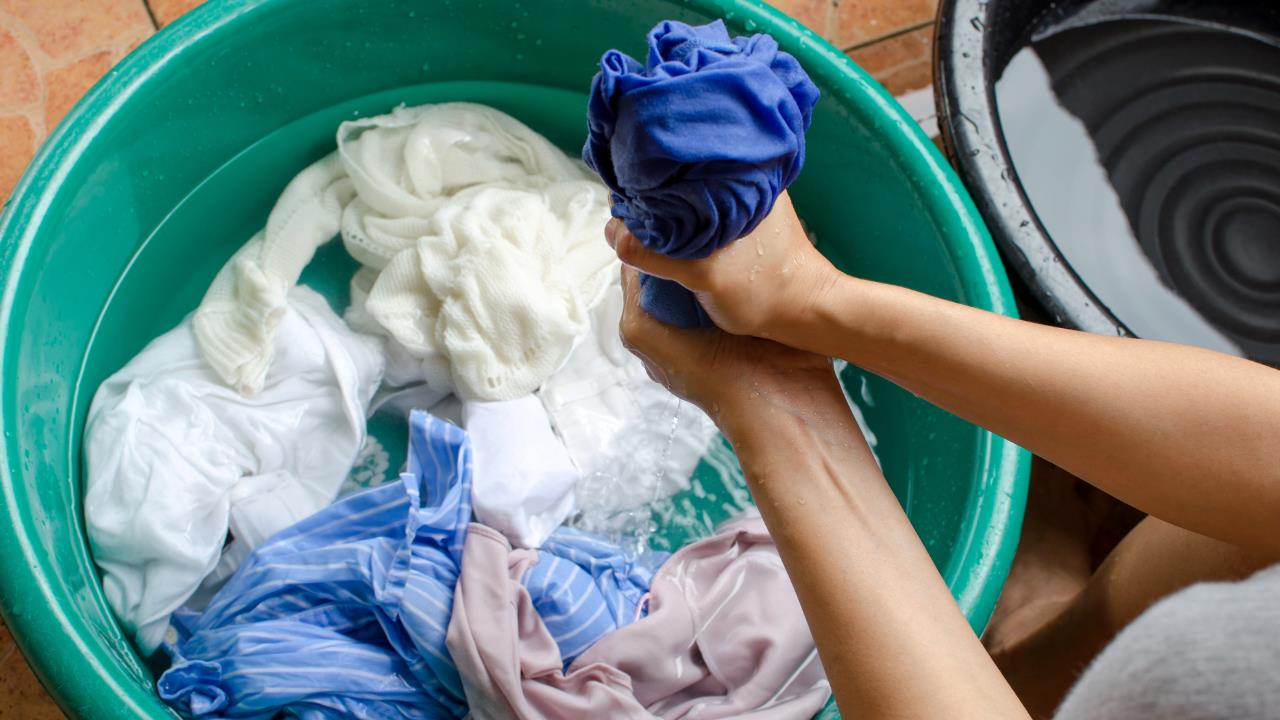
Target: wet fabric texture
[175,460]
[480,238]
[696,144]
[724,637]
[345,614]
[524,481]
[239,317]
[633,442]
[483,270]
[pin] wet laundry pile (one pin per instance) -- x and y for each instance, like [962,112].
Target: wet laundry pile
[389,603]
[477,580]
[177,461]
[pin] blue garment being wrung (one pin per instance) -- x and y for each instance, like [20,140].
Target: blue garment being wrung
[345,614]
[696,144]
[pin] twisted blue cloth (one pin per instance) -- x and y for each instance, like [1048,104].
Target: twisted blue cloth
[696,144]
[345,614]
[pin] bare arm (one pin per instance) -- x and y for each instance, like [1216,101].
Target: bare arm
[891,638]
[1188,435]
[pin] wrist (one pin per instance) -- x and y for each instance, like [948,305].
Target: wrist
[813,309]
[803,394]
[858,320]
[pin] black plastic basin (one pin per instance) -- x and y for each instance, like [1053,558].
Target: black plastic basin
[1176,106]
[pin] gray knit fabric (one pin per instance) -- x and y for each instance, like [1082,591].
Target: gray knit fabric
[1210,652]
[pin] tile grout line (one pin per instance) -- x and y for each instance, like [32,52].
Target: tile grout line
[829,21]
[39,61]
[911,62]
[890,36]
[155,24]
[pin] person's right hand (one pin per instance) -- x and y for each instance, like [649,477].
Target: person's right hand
[757,286]
[714,369]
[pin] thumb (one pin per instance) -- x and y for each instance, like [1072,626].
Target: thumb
[634,254]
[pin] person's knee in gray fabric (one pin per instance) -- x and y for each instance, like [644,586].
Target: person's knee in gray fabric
[1208,652]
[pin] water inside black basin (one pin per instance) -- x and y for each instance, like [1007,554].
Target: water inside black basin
[1150,151]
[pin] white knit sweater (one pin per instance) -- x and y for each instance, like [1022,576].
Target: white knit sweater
[484,237]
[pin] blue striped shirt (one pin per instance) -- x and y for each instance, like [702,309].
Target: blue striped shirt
[345,613]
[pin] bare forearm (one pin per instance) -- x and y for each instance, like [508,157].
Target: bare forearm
[891,638]
[1189,435]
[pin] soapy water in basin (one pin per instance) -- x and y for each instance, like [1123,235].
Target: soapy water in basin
[202,231]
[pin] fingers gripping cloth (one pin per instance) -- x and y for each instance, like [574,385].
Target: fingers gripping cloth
[696,144]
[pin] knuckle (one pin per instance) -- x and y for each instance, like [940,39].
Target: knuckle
[628,339]
[629,331]
[710,281]
[629,249]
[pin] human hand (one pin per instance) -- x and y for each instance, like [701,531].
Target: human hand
[759,285]
[711,368]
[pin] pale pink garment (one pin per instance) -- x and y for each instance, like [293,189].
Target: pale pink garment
[724,638]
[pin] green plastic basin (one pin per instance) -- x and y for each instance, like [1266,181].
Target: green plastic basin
[174,159]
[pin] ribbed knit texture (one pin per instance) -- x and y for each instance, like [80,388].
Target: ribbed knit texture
[236,323]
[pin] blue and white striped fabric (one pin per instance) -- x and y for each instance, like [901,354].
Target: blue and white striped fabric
[345,614]
[584,587]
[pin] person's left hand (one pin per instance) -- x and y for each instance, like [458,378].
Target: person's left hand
[709,367]
[763,284]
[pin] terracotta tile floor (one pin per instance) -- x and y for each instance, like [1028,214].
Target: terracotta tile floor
[52,51]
